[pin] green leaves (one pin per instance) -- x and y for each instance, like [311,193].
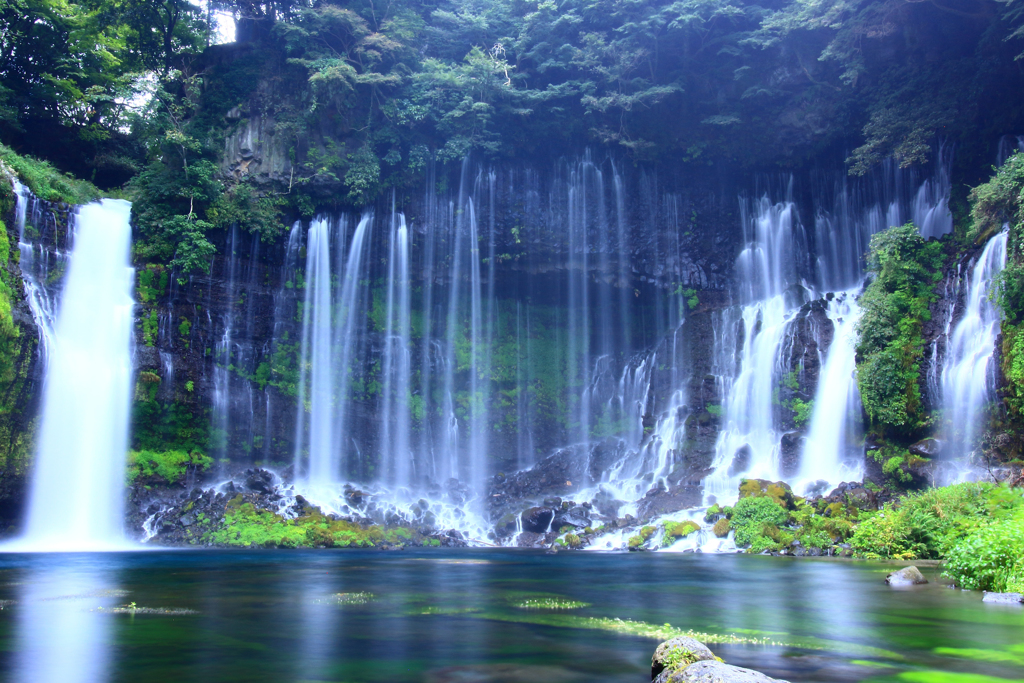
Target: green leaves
[890,344]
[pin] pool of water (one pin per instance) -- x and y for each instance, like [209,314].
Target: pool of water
[464,616]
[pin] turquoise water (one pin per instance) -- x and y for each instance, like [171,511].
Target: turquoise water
[480,615]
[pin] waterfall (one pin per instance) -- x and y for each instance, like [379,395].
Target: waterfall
[748,443]
[968,373]
[831,452]
[76,499]
[329,349]
[396,416]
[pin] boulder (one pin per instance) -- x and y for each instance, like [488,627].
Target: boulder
[679,653]
[927,448]
[259,480]
[577,516]
[1003,598]
[537,519]
[908,576]
[714,672]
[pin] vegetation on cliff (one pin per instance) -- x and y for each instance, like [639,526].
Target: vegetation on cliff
[905,269]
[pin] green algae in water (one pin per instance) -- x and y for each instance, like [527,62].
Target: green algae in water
[550,603]
[949,677]
[350,598]
[981,655]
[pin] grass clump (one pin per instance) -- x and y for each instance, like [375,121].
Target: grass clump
[46,182]
[169,467]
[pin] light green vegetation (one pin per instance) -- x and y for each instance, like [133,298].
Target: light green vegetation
[168,467]
[244,525]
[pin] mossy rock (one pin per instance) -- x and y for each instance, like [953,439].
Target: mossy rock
[721,528]
[677,530]
[678,653]
[778,491]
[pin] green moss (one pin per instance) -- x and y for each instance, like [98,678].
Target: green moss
[166,466]
[244,525]
[721,528]
[676,530]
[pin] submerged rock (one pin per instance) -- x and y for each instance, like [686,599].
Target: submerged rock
[715,672]
[1003,598]
[908,576]
[679,653]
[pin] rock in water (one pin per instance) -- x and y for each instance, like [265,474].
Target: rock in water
[715,672]
[908,576]
[1003,598]
[537,520]
[678,653]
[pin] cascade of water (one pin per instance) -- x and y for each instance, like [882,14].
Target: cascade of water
[76,499]
[967,375]
[748,443]
[1008,146]
[284,313]
[831,453]
[317,384]
[396,416]
[578,352]
[223,352]
[478,382]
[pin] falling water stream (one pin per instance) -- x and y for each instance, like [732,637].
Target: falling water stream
[76,499]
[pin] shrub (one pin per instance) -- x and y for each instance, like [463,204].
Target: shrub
[989,558]
[756,521]
[930,523]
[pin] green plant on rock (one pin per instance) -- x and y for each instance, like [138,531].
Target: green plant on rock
[721,528]
[165,466]
[677,530]
[756,520]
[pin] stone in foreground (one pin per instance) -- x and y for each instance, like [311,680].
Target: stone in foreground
[715,672]
[678,653]
[908,576]
[1003,598]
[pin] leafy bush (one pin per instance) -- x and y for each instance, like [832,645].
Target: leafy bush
[756,521]
[929,524]
[989,558]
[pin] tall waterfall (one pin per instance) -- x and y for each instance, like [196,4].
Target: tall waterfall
[76,500]
[333,318]
[748,443]
[832,452]
[968,373]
